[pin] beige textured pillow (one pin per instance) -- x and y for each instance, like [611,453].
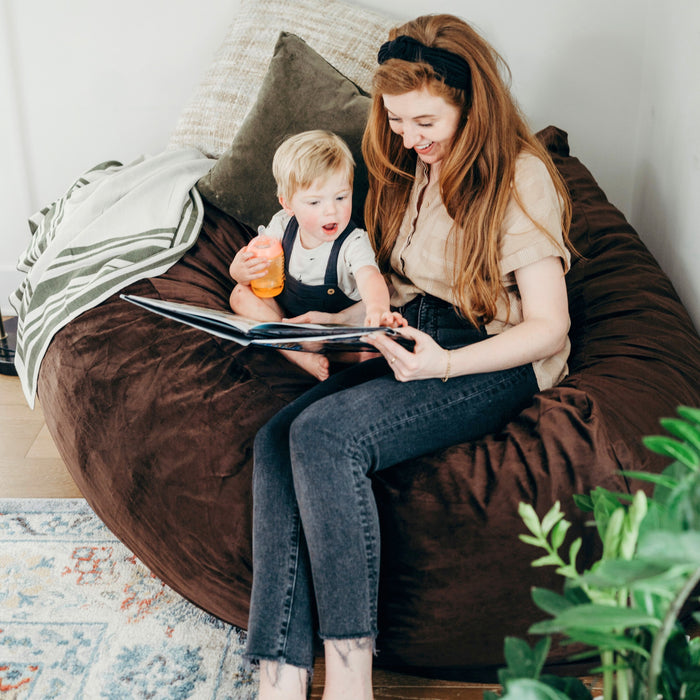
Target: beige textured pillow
[348,37]
[301,91]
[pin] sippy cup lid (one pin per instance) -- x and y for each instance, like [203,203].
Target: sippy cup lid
[265,246]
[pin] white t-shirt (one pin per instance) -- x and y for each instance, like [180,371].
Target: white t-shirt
[308,265]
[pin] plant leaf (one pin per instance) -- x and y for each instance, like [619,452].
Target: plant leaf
[658,479]
[685,431]
[553,516]
[669,447]
[574,550]
[575,594]
[529,689]
[671,547]
[573,688]
[531,539]
[584,502]
[612,534]
[524,662]
[601,618]
[617,642]
[605,503]
[549,601]
[529,517]
[689,413]
[620,573]
[559,533]
[547,560]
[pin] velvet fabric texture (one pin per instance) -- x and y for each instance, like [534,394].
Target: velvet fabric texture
[155,422]
[301,91]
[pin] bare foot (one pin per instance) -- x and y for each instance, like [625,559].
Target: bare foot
[315,364]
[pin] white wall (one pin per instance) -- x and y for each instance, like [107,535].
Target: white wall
[666,188]
[84,81]
[14,182]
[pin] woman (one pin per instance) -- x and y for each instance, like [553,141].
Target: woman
[469,217]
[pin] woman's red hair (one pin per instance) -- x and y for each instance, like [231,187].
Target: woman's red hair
[475,177]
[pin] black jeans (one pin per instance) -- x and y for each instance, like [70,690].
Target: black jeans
[315,526]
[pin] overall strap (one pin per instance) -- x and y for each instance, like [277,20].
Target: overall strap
[331,277]
[290,234]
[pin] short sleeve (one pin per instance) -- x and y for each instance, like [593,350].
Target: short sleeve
[358,251]
[522,241]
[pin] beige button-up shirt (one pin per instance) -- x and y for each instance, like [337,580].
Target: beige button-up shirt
[422,260]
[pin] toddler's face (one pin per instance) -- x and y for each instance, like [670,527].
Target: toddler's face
[323,210]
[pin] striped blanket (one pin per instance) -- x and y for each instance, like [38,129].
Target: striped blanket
[115,225]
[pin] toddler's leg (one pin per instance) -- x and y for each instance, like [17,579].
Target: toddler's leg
[244,302]
[315,364]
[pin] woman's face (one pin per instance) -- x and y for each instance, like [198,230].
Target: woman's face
[426,122]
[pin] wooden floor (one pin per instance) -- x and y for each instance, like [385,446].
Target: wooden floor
[30,467]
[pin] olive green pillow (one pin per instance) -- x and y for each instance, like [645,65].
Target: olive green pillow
[301,91]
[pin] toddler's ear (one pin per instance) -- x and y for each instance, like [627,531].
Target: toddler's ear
[285,206]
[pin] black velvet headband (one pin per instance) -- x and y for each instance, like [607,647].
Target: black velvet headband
[452,68]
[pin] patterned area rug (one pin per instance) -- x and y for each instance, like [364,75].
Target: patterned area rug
[81,617]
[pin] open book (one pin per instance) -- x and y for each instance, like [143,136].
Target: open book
[307,337]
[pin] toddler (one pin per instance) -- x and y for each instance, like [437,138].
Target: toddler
[329,263]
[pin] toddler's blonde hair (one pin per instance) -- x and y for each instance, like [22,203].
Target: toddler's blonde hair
[305,157]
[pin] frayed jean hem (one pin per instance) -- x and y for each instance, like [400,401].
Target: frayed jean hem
[255,660]
[361,641]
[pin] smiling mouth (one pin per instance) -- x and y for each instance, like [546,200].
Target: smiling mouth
[425,147]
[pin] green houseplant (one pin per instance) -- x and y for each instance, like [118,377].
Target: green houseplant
[626,607]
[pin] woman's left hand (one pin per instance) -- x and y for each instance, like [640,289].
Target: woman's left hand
[427,360]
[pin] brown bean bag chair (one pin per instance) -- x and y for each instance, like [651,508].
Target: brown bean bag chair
[155,422]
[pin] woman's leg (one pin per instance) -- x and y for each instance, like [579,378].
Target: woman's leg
[281,629]
[339,441]
[348,669]
[279,681]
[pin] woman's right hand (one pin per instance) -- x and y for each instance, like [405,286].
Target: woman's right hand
[427,360]
[246,266]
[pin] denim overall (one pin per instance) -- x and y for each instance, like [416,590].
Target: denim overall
[297,298]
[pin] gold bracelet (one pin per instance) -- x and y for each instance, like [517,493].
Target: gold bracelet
[447,369]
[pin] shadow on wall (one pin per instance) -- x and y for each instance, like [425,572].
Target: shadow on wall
[661,227]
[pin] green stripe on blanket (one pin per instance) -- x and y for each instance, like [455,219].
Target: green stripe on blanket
[114,226]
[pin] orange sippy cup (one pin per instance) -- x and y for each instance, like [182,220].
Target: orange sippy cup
[271,249]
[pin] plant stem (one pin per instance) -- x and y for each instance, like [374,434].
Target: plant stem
[621,674]
[622,678]
[607,659]
[661,638]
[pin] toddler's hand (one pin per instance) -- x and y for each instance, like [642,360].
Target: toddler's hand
[246,266]
[392,319]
